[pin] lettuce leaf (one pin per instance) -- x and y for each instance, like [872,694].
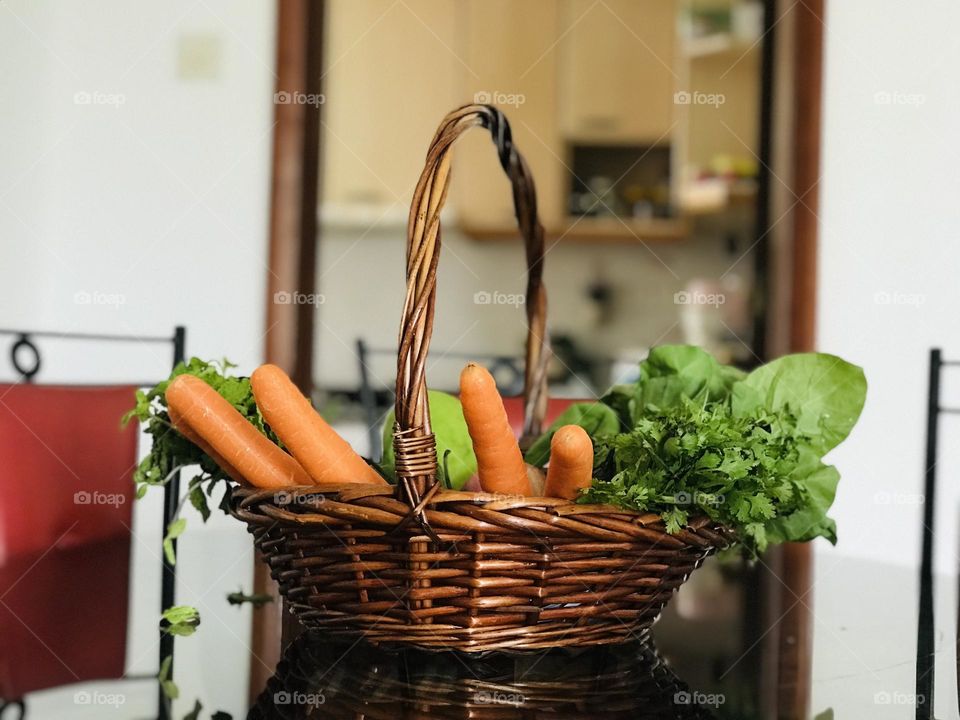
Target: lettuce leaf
[455,457]
[672,373]
[810,520]
[825,392]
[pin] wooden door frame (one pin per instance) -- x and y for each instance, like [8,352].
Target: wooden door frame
[295,190]
[788,582]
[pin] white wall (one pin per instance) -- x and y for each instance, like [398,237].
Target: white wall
[888,287]
[152,199]
[360,275]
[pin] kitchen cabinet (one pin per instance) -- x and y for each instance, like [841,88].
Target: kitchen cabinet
[616,74]
[568,73]
[391,73]
[510,61]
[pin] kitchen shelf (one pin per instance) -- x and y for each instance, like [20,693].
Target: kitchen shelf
[593,230]
[714,45]
[715,195]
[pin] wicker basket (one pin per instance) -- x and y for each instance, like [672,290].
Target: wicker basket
[418,565]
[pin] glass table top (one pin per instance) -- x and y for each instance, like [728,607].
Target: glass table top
[735,642]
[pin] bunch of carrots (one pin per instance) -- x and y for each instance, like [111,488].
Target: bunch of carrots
[318,455]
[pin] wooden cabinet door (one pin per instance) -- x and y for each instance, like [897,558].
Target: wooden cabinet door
[510,60]
[617,76]
[392,71]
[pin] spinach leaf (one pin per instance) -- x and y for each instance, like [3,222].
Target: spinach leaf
[620,399]
[826,394]
[809,521]
[672,373]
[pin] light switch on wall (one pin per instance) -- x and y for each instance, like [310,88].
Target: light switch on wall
[198,56]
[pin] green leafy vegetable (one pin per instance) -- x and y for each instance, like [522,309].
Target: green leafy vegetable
[198,499]
[170,451]
[825,392]
[810,520]
[454,447]
[672,373]
[619,398]
[597,419]
[700,458]
[693,436]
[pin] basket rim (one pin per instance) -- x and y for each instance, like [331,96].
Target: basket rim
[279,499]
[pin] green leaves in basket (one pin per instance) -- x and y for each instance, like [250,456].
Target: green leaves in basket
[169,450]
[826,393]
[455,456]
[597,419]
[674,373]
[698,458]
[693,436]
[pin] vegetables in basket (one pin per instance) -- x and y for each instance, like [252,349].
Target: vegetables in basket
[692,436]
[326,456]
[240,429]
[230,436]
[455,458]
[500,463]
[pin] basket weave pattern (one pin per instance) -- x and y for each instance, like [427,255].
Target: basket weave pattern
[526,574]
[438,569]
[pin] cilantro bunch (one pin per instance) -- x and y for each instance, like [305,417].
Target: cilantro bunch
[694,437]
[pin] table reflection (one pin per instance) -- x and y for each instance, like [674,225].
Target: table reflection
[318,679]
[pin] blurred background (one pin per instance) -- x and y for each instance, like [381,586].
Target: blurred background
[752,177]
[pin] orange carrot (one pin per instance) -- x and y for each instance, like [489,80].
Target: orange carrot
[232,436]
[181,426]
[326,456]
[571,462]
[499,461]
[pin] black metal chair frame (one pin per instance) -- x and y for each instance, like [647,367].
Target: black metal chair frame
[926,633]
[24,342]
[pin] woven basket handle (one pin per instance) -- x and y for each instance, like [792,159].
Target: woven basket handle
[416,459]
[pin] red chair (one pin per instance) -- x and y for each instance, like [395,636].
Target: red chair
[514,408]
[61,439]
[66,497]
